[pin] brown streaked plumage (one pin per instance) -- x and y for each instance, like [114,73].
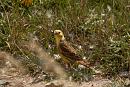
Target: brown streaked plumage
[67,52]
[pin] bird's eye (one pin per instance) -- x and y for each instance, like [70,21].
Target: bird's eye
[58,32]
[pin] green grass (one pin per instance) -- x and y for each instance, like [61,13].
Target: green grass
[100,24]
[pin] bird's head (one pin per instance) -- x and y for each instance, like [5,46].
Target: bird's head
[58,34]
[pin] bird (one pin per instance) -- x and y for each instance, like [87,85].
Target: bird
[67,53]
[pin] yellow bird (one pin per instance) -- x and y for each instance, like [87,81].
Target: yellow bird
[67,52]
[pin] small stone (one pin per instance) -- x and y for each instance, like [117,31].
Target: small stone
[53,85]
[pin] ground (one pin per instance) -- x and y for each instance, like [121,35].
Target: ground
[11,77]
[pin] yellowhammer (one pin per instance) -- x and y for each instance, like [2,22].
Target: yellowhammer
[67,52]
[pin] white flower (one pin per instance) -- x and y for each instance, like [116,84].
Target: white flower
[56,56]
[108,7]
[91,46]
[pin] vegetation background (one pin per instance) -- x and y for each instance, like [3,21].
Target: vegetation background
[99,29]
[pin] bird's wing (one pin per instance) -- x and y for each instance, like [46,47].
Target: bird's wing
[68,51]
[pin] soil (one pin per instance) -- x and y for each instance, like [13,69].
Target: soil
[11,77]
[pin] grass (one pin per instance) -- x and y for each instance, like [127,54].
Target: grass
[100,27]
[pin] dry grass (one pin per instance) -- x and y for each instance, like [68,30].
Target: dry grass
[99,29]
[48,63]
[6,57]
